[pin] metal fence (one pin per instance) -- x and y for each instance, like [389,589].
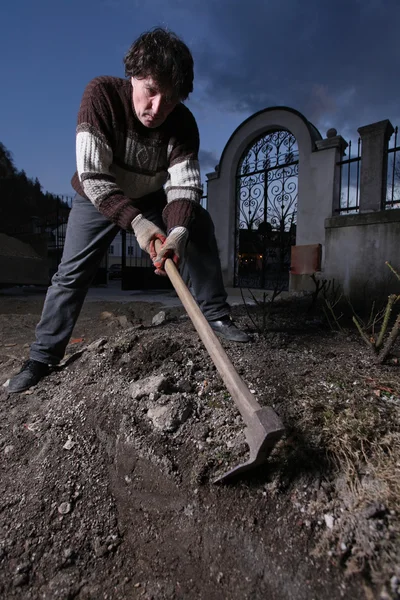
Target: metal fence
[349,190]
[54,225]
[393,174]
[203,199]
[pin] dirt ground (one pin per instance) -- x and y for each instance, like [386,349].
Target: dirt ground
[106,487]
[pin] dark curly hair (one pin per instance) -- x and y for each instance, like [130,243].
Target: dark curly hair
[163,56]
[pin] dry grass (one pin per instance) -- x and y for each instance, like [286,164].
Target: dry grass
[361,435]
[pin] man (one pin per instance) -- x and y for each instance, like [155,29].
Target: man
[137,169]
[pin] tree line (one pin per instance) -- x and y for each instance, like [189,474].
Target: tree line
[22,199]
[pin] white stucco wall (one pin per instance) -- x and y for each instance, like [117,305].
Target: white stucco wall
[354,247]
[316,180]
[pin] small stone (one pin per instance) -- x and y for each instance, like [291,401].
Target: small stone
[185,386]
[64,508]
[137,585]
[106,315]
[395,584]
[24,567]
[69,444]
[123,321]
[100,550]
[21,579]
[170,415]
[329,521]
[97,344]
[148,385]
[159,318]
[8,449]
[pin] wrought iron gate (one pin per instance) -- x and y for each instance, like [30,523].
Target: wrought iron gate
[266,205]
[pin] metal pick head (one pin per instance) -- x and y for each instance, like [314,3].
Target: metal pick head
[261,441]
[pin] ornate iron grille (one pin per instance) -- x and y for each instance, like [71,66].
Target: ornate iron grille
[266,205]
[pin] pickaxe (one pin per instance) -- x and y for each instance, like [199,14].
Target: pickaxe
[263,426]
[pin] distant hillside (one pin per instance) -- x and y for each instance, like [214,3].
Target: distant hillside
[22,198]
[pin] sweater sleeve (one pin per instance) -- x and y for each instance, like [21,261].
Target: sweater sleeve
[183,187]
[94,157]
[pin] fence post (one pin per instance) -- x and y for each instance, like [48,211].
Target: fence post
[373,180]
[334,142]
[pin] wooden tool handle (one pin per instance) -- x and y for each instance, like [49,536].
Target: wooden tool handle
[243,398]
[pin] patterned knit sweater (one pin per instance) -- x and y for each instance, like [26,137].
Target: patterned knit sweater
[120,160]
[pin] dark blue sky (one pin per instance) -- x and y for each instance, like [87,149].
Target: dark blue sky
[337,62]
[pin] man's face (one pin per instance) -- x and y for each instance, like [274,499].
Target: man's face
[152,105]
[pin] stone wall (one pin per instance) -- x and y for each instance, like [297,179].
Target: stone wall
[357,247]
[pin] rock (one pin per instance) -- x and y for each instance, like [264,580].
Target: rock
[158,318]
[106,315]
[68,553]
[126,358]
[97,344]
[375,510]
[329,521]
[395,584]
[184,385]
[123,321]
[169,417]
[64,508]
[100,549]
[148,385]
[24,567]
[69,443]
[8,449]
[20,579]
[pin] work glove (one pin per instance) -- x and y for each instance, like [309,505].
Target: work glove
[173,247]
[146,231]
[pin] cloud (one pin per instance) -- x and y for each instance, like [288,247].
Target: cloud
[335,62]
[208,161]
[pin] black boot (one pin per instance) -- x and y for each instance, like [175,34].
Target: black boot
[30,374]
[227,329]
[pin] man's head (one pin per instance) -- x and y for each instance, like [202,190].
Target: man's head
[160,66]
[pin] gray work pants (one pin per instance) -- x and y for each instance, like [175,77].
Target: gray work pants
[87,239]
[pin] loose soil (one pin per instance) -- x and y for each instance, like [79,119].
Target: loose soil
[106,487]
